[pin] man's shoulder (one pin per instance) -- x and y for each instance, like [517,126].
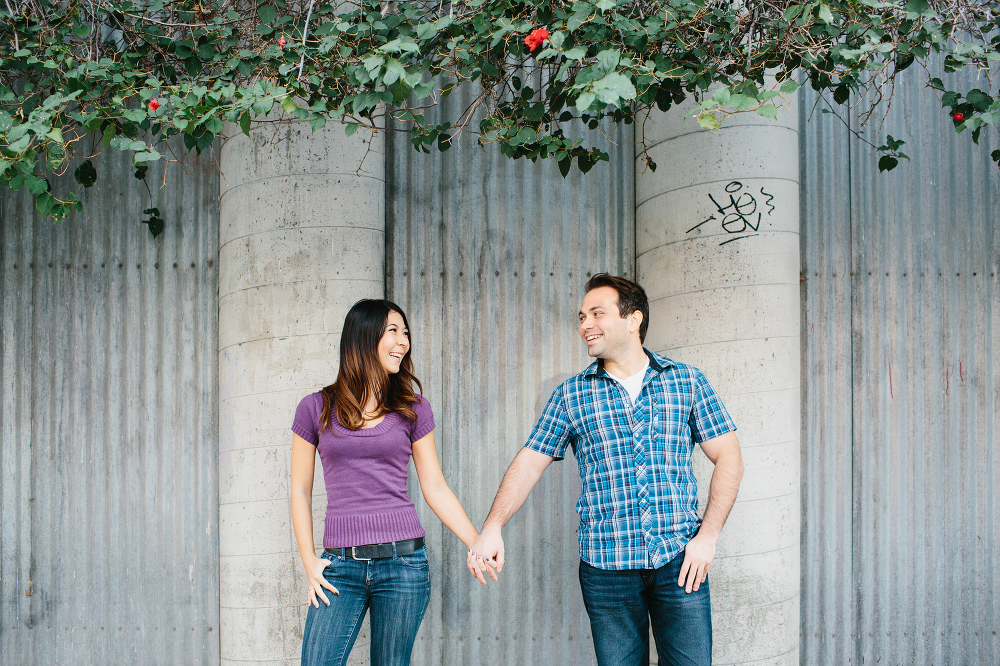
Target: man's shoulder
[676,372]
[575,384]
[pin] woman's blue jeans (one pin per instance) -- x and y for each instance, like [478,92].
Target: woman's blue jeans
[622,603]
[397,591]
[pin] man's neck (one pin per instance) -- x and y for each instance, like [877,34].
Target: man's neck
[628,364]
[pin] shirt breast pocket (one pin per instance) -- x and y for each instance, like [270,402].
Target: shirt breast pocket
[671,434]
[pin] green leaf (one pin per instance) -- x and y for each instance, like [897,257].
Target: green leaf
[245,122]
[789,86]
[825,15]
[86,174]
[263,107]
[422,90]
[721,96]
[267,14]
[5,121]
[146,156]
[919,7]
[524,135]
[35,184]
[584,101]
[608,60]
[768,111]
[288,104]
[45,203]
[708,121]
[792,12]
[393,72]
[887,163]
[316,121]
[564,166]
[351,129]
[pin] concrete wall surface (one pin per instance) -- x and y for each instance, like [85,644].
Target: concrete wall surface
[301,236]
[717,251]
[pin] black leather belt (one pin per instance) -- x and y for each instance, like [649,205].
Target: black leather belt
[379,551]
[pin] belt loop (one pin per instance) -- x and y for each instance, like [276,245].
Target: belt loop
[393,550]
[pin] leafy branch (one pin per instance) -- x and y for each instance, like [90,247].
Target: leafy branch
[136,73]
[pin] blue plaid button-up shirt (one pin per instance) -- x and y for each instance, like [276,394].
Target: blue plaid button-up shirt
[639,500]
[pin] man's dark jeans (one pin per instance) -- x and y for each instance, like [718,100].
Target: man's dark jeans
[622,603]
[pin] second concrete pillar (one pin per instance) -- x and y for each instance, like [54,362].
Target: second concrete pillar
[717,249]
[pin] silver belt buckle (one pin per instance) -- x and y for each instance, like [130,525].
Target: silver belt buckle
[360,559]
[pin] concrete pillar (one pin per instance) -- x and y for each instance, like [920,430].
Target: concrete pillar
[301,237]
[717,249]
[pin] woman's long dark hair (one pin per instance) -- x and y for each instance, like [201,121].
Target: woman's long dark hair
[361,374]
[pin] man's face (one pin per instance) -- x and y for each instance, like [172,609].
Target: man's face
[602,327]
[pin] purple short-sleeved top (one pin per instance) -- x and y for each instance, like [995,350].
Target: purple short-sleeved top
[365,472]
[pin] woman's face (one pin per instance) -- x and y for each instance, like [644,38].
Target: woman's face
[395,343]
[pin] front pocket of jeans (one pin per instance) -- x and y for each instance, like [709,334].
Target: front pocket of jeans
[418,560]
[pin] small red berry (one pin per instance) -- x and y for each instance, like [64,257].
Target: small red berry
[154,105]
[959,117]
[281,42]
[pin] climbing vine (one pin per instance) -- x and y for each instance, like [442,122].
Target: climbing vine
[134,74]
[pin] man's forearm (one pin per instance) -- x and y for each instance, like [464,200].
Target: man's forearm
[722,492]
[517,483]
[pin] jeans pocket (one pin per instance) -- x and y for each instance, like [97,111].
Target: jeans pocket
[418,560]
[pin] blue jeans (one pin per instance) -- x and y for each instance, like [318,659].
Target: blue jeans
[622,603]
[397,591]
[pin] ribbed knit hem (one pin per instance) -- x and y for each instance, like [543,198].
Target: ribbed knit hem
[343,531]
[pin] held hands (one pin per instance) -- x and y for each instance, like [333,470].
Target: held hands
[698,556]
[314,574]
[486,554]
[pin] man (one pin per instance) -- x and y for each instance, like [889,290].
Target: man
[632,419]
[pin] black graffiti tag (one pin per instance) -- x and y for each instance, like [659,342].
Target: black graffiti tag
[739,211]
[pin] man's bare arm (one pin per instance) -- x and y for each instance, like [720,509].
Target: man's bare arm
[724,452]
[487,553]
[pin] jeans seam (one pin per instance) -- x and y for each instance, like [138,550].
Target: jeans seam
[349,646]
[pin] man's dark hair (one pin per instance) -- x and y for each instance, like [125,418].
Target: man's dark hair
[631,297]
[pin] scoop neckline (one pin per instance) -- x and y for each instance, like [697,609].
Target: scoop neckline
[388,423]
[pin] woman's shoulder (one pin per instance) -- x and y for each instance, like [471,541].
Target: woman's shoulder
[422,405]
[311,404]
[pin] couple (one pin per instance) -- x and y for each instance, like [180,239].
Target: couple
[632,418]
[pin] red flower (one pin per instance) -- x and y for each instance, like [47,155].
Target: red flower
[959,117]
[535,38]
[281,42]
[154,105]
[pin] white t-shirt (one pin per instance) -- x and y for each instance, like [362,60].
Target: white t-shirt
[633,384]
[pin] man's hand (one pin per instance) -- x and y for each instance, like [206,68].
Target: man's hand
[698,556]
[486,554]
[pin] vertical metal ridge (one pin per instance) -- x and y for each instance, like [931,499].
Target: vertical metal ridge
[504,247]
[109,422]
[925,384]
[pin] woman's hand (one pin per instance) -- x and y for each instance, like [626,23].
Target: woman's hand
[314,574]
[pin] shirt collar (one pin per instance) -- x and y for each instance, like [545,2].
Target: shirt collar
[656,362]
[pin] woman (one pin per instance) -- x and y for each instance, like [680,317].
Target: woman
[365,427]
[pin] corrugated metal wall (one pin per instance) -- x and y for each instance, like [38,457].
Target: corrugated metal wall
[901,391]
[489,258]
[109,486]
